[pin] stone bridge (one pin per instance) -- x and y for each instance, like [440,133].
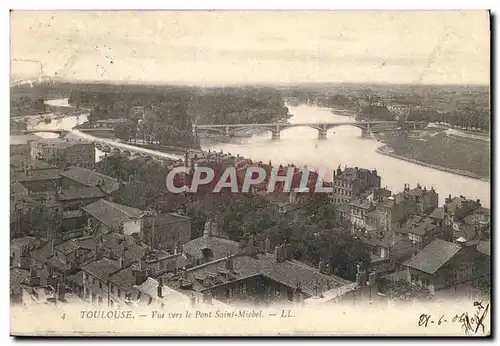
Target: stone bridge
[322,128]
[61,133]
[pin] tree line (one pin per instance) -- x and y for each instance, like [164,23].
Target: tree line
[167,118]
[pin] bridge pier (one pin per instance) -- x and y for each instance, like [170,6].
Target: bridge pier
[322,134]
[275,135]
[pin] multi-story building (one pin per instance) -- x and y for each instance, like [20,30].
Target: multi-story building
[391,211]
[358,211]
[447,267]
[260,278]
[422,230]
[161,231]
[78,177]
[423,200]
[209,247]
[351,182]
[63,152]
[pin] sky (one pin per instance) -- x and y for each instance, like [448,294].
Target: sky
[229,47]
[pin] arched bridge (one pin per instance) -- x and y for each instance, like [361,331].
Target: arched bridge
[322,128]
[61,133]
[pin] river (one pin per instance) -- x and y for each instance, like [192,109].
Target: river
[345,147]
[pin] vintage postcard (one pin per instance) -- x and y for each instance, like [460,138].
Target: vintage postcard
[250,173]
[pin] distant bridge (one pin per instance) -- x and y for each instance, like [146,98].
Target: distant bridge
[61,133]
[322,128]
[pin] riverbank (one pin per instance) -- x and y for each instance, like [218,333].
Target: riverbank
[388,151]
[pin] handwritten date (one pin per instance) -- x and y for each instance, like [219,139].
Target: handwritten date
[470,324]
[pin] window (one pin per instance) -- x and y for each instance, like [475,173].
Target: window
[100,285]
[119,293]
[277,292]
[413,278]
[289,296]
[112,289]
[243,289]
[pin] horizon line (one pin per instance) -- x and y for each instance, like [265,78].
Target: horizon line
[46,80]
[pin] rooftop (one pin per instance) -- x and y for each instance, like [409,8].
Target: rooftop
[149,288]
[125,278]
[102,268]
[438,213]
[484,247]
[21,162]
[289,273]
[111,214]
[219,247]
[352,173]
[89,177]
[417,225]
[363,204]
[78,193]
[433,256]
[40,174]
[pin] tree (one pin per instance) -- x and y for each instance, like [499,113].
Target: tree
[402,290]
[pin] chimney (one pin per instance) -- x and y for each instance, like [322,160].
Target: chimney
[321,266]
[267,245]
[229,262]
[140,276]
[207,232]
[278,254]
[34,279]
[160,287]
[61,291]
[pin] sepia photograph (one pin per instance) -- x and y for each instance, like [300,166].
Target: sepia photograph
[250,173]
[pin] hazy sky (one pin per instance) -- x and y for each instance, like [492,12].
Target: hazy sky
[253,47]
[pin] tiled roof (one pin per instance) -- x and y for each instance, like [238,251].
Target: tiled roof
[111,214]
[77,193]
[43,253]
[102,268]
[67,247]
[417,225]
[89,177]
[41,174]
[18,162]
[288,273]
[484,247]
[150,288]
[54,262]
[438,213]
[23,241]
[69,214]
[433,256]
[363,204]
[343,208]
[219,247]
[125,278]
